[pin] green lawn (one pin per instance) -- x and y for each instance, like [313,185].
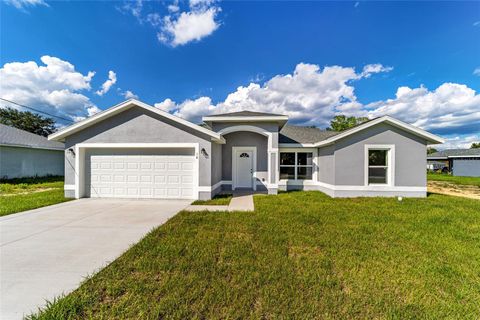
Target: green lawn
[18,195]
[475,181]
[25,185]
[299,255]
[218,200]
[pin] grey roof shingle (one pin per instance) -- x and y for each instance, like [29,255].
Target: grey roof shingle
[245,114]
[15,137]
[299,134]
[455,152]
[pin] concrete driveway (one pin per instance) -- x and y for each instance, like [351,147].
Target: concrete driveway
[48,251]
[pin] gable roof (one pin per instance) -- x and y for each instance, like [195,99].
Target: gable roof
[76,127]
[10,136]
[246,116]
[245,113]
[454,153]
[429,137]
[303,135]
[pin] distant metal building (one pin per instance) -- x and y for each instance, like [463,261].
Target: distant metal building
[461,162]
[24,154]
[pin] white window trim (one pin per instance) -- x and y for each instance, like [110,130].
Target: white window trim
[390,164]
[234,165]
[299,150]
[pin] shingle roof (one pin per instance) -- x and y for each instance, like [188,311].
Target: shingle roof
[455,152]
[298,134]
[246,114]
[15,137]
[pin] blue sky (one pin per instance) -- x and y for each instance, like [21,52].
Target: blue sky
[198,57]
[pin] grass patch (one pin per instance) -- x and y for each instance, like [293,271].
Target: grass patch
[298,255]
[22,194]
[25,185]
[218,200]
[474,181]
[22,202]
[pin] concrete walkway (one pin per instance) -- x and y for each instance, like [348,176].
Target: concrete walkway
[242,200]
[48,251]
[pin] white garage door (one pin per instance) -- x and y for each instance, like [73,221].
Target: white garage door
[141,176]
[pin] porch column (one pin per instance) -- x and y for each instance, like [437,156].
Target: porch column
[273,160]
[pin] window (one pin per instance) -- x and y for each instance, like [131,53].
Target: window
[378,166]
[296,165]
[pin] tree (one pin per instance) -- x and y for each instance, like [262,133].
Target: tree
[475,145]
[431,150]
[28,121]
[342,122]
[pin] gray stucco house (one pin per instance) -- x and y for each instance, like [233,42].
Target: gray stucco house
[134,150]
[460,162]
[24,154]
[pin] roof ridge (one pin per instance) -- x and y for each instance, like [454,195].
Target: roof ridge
[245,112]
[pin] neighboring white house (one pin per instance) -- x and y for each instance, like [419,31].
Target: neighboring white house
[460,162]
[24,154]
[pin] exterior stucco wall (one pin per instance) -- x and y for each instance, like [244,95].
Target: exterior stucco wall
[245,139]
[69,168]
[137,125]
[466,167]
[326,164]
[217,163]
[16,162]
[410,156]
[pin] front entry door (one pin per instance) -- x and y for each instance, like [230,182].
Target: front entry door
[244,168]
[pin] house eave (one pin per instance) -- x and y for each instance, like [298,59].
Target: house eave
[81,125]
[429,137]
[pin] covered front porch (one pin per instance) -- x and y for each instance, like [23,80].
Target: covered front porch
[249,159]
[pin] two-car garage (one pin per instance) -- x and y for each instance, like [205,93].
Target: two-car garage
[137,151]
[150,173]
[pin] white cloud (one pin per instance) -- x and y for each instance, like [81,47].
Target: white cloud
[190,109]
[476,72]
[112,79]
[312,96]
[177,27]
[459,141]
[154,19]
[173,7]
[356,4]
[450,108]
[129,95]
[22,4]
[133,7]
[370,69]
[189,26]
[54,87]
[476,23]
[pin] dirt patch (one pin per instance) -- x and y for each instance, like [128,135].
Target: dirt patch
[451,189]
[26,192]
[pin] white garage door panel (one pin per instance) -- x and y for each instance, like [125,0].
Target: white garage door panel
[146,176]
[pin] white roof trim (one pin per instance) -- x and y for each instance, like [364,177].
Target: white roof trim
[244,118]
[30,147]
[124,106]
[433,139]
[453,157]
[467,156]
